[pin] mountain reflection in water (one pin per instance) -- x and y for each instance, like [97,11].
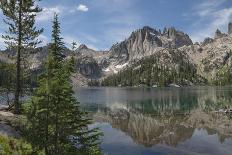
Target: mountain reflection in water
[162,120]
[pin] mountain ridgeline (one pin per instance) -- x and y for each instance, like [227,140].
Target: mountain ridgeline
[169,58]
[148,57]
[163,68]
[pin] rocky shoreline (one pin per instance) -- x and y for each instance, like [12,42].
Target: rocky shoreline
[9,123]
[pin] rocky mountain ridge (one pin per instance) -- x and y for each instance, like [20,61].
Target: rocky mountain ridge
[211,57]
[147,41]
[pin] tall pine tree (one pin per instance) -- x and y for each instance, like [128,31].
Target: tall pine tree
[57,125]
[22,34]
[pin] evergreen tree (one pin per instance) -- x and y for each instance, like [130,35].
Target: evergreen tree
[7,80]
[74,44]
[151,71]
[57,125]
[22,33]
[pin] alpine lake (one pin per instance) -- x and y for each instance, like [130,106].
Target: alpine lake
[160,121]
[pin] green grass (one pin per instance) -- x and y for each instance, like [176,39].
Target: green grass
[11,146]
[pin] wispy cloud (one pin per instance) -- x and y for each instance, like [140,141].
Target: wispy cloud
[210,17]
[207,8]
[82,7]
[69,39]
[45,40]
[48,13]
[121,18]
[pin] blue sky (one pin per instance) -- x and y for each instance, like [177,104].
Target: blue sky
[101,23]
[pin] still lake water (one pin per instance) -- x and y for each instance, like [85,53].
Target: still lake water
[179,121]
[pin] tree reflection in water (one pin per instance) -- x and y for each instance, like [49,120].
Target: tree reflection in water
[169,119]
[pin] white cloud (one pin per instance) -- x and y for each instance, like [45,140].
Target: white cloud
[44,39]
[93,47]
[83,8]
[48,13]
[210,18]
[69,39]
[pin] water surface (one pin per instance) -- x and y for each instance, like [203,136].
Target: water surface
[143,121]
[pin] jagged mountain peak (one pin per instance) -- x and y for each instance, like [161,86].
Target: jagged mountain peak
[208,56]
[82,46]
[146,41]
[85,51]
[219,34]
[150,30]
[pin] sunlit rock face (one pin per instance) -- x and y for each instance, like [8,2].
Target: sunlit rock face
[87,61]
[208,57]
[147,41]
[211,55]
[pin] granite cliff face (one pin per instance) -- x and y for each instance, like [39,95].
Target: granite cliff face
[87,66]
[147,41]
[211,58]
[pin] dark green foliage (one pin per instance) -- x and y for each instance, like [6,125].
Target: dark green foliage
[14,146]
[58,45]
[20,17]
[224,74]
[21,34]
[7,80]
[56,123]
[94,83]
[74,44]
[152,71]
[7,75]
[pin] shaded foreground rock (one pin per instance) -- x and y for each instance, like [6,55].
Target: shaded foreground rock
[9,124]
[7,130]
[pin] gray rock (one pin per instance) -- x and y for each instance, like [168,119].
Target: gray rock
[88,67]
[147,41]
[229,28]
[207,41]
[219,34]
[7,130]
[208,56]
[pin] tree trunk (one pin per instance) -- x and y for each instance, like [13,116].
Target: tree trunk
[18,64]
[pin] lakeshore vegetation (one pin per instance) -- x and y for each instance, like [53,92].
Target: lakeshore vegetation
[54,122]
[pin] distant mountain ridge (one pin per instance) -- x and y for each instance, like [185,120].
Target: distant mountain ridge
[147,41]
[211,58]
